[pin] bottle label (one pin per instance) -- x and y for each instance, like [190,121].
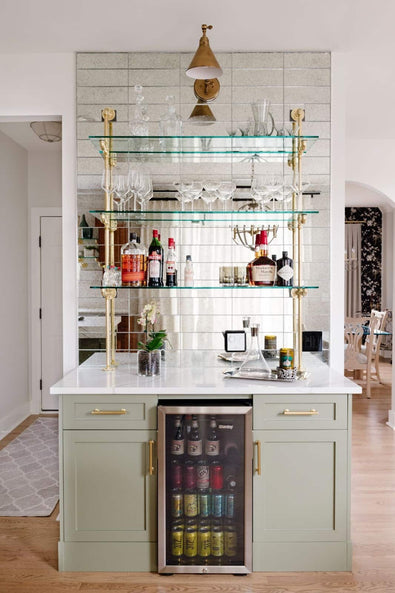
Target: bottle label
[263,273]
[177,447]
[203,477]
[170,267]
[194,448]
[286,272]
[132,268]
[212,448]
[154,265]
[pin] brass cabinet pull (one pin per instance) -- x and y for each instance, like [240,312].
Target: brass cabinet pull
[311,412]
[151,458]
[97,412]
[257,469]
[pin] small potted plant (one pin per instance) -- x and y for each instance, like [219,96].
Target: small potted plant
[149,353]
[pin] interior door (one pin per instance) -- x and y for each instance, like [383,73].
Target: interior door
[51,308]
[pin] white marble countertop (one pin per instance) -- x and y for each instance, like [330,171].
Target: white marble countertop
[192,373]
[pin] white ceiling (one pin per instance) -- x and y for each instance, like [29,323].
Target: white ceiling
[23,135]
[174,25]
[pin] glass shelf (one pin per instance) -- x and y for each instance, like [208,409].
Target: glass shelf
[201,148]
[204,216]
[208,287]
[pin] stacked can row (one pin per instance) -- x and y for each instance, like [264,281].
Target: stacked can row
[202,503]
[204,542]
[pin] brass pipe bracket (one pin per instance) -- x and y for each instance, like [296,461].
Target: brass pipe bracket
[298,293]
[109,293]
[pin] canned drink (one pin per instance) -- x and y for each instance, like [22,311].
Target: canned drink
[230,542]
[204,503]
[190,475]
[191,505]
[191,523]
[178,523]
[176,504]
[230,506]
[287,358]
[217,501]
[217,542]
[177,541]
[190,542]
[176,474]
[204,542]
[216,476]
[202,475]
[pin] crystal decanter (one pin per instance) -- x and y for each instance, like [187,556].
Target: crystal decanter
[254,364]
[139,126]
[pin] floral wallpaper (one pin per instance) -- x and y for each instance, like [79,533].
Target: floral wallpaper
[371,238]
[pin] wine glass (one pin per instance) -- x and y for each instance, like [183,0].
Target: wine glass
[121,189]
[225,191]
[144,190]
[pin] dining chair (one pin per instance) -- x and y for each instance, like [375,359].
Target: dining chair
[354,358]
[378,319]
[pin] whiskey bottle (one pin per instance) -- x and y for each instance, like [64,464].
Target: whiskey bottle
[132,263]
[263,269]
[285,270]
[257,254]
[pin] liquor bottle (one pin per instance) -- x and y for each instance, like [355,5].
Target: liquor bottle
[188,271]
[171,272]
[263,269]
[154,261]
[285,270]
[274,258]
[212,447]
[144,258]
[132,263]
[162,264]
[257,254]
[86,230]
[177,443]
[194,439]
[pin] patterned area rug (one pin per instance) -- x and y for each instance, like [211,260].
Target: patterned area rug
[29,471]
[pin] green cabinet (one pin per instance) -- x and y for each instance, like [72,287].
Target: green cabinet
[108,483]
[110,494]
[301,487]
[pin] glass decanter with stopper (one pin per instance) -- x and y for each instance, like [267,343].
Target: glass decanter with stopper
[170,125]
[254,364]
[139,126]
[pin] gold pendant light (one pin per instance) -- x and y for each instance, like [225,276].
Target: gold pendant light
[202,114]
[204,64]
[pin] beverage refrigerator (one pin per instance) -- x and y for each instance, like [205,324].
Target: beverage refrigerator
[205,488]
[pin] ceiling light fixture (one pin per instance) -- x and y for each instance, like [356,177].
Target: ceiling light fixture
[47,131]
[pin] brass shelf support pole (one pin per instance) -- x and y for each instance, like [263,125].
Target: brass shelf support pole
[108,116]
[295,162]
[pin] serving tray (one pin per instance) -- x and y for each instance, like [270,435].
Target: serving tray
[262,376]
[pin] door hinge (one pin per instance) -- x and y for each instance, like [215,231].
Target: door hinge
[39,241]
[40,313]
[41,384]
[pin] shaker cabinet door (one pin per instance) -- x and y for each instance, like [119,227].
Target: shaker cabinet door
[109,494]
[302,492]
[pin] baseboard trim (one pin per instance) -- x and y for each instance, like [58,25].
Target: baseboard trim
[391,419]
[8,423]
[107,556]
[301,556]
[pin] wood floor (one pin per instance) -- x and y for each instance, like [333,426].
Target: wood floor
[28,546]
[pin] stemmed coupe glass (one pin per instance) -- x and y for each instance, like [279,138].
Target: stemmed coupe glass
[225,191]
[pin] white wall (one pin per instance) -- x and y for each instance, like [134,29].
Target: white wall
[14,392]
[44,84]
[45,179]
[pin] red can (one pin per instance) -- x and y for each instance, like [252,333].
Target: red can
[190,475]
[216,476]
[176,474]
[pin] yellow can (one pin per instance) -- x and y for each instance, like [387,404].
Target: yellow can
[190,542]
[204,542]
[287,358]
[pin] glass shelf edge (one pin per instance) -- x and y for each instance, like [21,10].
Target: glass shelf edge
[224,287]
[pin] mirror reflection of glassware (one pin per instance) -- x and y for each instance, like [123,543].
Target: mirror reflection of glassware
[138,126]
[254,363]
[121,190]
[261,113]
[210,194]
[144,189]
[170,124]
[225,191]
[246,128]
[188,191]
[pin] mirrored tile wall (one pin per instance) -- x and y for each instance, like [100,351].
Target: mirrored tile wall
[196,318]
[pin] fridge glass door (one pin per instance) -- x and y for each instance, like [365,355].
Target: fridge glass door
[204,489]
